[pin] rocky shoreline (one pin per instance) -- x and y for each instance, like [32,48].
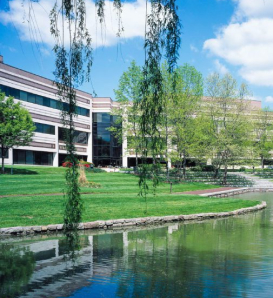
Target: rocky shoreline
[122,223]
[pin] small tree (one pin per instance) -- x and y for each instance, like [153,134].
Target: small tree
[16,125]
[262,127]
[185,105]
[226,121]
[128,94]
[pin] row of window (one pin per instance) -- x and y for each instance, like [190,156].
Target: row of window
[32,157]
[41,100]
[44,128]
[106,151]
[80,137]
[106,118]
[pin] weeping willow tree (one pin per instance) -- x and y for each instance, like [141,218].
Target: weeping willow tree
[73,50]
[73,63]
[162,40]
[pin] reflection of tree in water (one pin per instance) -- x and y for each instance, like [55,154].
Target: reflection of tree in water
[195,261]
[71,245]
[16,267]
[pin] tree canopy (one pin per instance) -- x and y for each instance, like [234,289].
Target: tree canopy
[16,125]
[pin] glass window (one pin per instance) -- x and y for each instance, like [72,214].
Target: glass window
[23,95]
[31,98]
[80,137]
[46,102]
[29,157]
[53,103]
[106,118]
[21,156]
[39,100]
[45,128]
[15,93]
[97,117]
[4,89]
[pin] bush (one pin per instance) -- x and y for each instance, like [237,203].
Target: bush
[242,169]
[208,168]
[86,164]
[196,169]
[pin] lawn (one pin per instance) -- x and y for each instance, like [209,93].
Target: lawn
[26,198]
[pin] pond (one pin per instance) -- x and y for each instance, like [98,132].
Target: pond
[231,257]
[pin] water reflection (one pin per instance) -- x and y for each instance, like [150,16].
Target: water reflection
[16,267]
[218,258]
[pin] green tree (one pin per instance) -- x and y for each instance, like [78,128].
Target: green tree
[16,125]
[73,65]
[227,125]
[73,50]
[128,95]
[263,128]
[184,107]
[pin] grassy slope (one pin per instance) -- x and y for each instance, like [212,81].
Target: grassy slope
[117,198]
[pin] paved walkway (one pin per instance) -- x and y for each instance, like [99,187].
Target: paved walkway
[257,181]
[205,191]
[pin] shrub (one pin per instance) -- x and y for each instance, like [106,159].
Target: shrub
[208,168]
[196,169]
[86,164]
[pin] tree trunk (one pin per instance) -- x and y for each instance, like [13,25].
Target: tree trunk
[3,161]
[3,167]
[184,167]
[216,172]
[136,171]
[262,162]
[180,168]
[167,155]
[225,176]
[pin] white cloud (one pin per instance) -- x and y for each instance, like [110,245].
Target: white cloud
[133,20]
[220,67]
[247,41]
[253,9]
[194,48]
[269,99]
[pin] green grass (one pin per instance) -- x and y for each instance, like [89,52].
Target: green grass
[117,198]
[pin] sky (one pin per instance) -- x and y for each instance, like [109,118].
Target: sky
[233,36]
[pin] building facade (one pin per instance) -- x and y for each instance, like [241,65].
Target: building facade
[93,142]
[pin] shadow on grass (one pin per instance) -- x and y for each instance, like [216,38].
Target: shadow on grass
[20,172]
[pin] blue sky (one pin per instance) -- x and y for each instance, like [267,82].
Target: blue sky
[218,35]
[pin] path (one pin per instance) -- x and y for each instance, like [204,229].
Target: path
[257,181]
[206,191]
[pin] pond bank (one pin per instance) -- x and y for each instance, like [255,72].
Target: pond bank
[120,223]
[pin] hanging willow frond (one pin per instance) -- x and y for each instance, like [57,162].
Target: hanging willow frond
[162,39]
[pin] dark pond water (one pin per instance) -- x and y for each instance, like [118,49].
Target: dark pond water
[218,258]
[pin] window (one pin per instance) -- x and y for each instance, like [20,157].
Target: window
[31,98]
[106,149]
[23,95]
[80,137]
[32,157]
[40,100]
[45,128]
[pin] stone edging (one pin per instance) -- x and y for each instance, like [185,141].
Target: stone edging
[120,223]
[233,192]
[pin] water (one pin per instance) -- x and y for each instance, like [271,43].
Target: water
[230,257]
